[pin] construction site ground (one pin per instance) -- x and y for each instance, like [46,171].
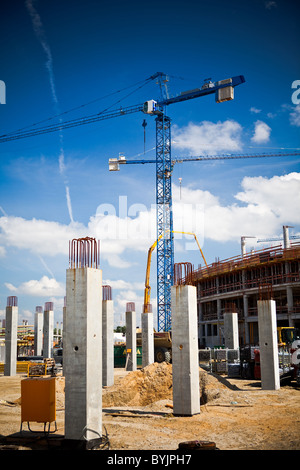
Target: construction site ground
[137,413]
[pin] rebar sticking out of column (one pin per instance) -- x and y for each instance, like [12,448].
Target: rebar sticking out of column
[12,301]
[183,273]
[130,307]
[84,253]
[106,293]
[147,308]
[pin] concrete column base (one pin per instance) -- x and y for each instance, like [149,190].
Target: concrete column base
[147,339]
[268,345]
[107,343]
[186,394]
[231,330]
[38,334]
[48,333]
[11,333]
[83,355]
[131,363]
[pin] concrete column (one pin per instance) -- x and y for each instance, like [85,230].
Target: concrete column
[286,237]
[147,339]
[131,362]
[186,395]
[290,304]
[107,343]
[246,314]
[48,330]
[231,330]
[11,332]
[268,346]
[200,321]
[219,310]
[38,331]
[83,356]
[63,330]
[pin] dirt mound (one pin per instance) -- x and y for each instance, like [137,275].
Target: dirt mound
[141,387]
[154,383]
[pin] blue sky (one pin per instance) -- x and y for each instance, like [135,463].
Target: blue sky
[79,58]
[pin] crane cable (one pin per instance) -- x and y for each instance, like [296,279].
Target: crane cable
[19,134]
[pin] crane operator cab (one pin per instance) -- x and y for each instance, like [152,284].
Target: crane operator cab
[151,107]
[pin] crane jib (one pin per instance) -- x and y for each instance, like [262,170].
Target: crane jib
[206,89]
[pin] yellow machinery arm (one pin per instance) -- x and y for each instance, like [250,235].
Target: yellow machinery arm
[147,291]
[147,280]
[191,233]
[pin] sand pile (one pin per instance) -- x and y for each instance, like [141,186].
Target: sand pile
[154,383]
[141,387]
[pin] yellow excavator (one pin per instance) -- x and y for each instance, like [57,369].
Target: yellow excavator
[287,335]
[162,340]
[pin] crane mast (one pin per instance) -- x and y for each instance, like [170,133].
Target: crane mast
[164,217]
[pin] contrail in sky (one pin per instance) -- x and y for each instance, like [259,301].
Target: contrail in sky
[39,31]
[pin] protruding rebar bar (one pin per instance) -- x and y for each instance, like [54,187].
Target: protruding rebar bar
[147,308]
[48,306]
[84,253]
[12,301]
[265,291]
[230,307]
[106,293]
[130,307]
[183,273]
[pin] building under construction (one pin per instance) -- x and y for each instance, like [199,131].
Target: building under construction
[236,284]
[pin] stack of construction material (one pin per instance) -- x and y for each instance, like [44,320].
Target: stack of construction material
[35,370]
[205,358]
[219,364]
[234,365]
[50,365]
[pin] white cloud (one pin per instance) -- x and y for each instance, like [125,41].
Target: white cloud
[261,132]
[10,287]
[45,287]
[270,4]
[39,236]
[255,110]
[120,284]
[50,238]
[263,205]
[295,116]
[208,137]
[279,194]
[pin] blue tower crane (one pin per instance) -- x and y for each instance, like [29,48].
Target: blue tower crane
[164,216]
